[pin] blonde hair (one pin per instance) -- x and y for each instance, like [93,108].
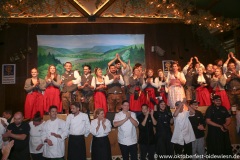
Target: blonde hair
[97,112]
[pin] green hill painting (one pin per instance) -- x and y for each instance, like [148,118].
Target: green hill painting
[95,50]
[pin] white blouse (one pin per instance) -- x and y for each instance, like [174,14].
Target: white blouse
[154,84]
[201,79]
[101,132]
[95,81]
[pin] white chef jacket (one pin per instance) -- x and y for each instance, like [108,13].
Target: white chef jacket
[183,131]
[57,126]
[35,137]
[78,125]
[127,134]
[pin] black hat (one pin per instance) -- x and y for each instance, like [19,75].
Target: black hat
[215,97]
[193,101]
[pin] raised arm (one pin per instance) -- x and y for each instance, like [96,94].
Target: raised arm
[112,61]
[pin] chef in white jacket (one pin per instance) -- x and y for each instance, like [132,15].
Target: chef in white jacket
[54,135]
[35,140]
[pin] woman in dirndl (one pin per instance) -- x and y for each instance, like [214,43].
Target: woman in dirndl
[52,92]
[137,97]
[162,85]
[218,82]
[34,102]
[201,83]
[100,100]
[150,88]
[175,82]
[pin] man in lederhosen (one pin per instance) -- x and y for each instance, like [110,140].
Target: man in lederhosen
[70,79]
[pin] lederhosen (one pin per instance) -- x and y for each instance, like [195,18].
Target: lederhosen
[67,91]
[87,93]
[114,95]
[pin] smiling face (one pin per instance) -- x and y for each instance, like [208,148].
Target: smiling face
[231,66]
[210,67]
[175,67]
[34,72]
[200,71]
[214,68]
[101,115]
[52,69]
[112,69]
[125,106]
[217,102]
[136,72]
[86,70]
[53,113]
[162,106]
[144,109]
[99,72]
[160,74]
[68,67]
[218,72]
[118,65]
[150,73]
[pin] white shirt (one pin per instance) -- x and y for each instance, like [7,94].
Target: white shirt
[171,76]
[35,137]
[101,132]
[2,130]
[127,134]
[95,82]
[107,81]
[78,78]
[78,125]
[201,79]
[57,126]
[154,84]
[183,131]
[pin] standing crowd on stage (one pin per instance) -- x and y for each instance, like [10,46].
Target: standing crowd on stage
[138,98]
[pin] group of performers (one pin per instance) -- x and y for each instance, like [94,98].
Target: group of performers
[96,90]
[147,96]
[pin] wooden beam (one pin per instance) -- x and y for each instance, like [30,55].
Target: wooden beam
[79,8]
[104,8]
[66,20]
[212,4]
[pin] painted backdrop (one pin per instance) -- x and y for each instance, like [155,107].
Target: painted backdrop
[94,50]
